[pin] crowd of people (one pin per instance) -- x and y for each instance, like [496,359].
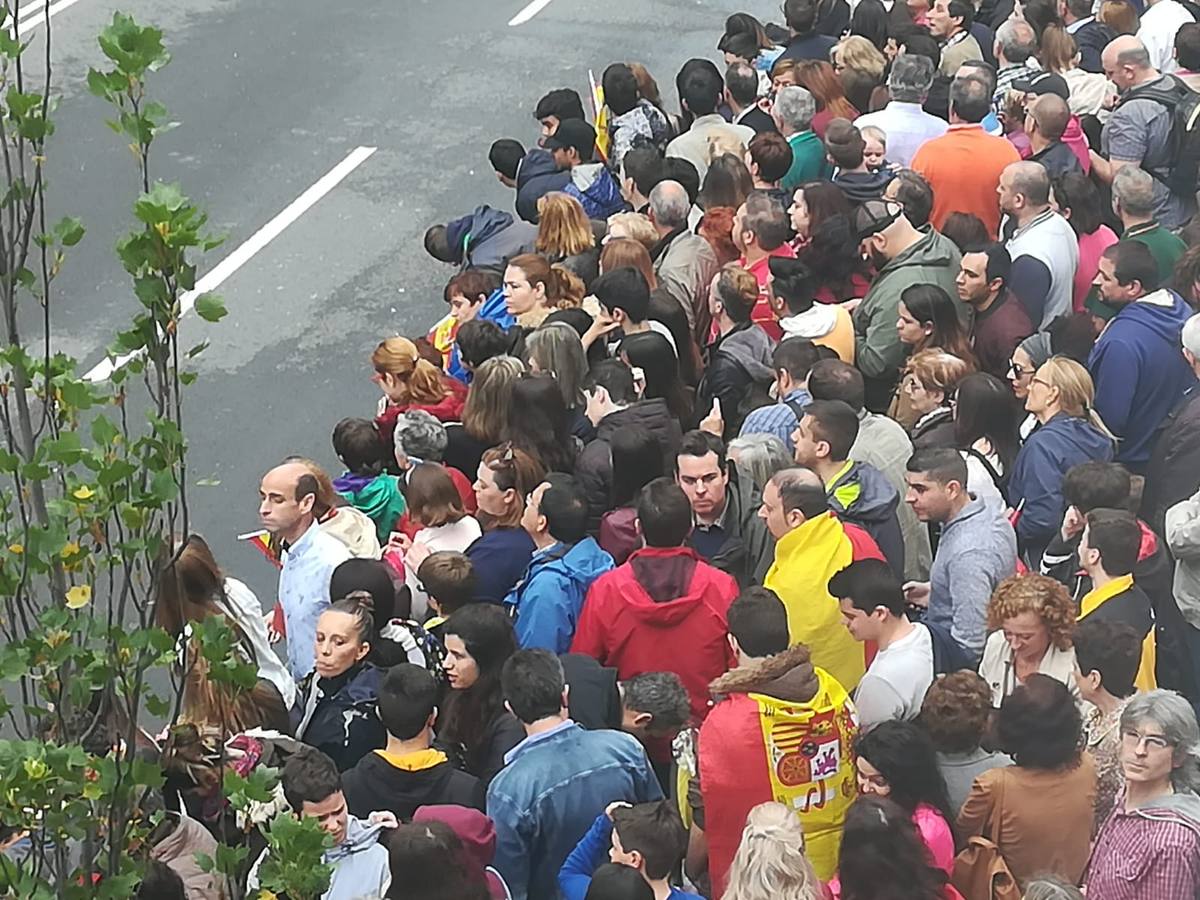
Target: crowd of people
[800,497]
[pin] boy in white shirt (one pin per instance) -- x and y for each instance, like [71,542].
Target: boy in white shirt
[873,608]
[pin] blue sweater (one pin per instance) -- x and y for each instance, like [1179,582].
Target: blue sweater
[1139,372]
[592,850]
[499,557]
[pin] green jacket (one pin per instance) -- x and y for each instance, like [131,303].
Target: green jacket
[378,497]
[879,354]
[808,161]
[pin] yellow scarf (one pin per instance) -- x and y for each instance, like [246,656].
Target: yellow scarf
[1097,597]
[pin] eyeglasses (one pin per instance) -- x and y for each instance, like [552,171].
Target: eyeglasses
[1152,741]
[1035,380]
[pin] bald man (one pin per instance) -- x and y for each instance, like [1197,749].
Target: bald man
[287,495]
[1138,131]
[1044,249]
[1046,120]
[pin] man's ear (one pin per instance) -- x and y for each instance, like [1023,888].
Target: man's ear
[734,645]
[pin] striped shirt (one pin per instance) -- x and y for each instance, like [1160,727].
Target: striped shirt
[1145,854]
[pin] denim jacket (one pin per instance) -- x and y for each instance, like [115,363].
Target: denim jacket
[549,794]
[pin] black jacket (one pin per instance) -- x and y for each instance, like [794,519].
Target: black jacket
[537,176]
[593,468]
[1091,39]
[1173,473]
[376,784]
[759,120]
[339,715]
[594,700]
[739,373]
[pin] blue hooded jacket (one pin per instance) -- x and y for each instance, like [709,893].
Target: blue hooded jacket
[488,238]
[537,175]
[1139,372]
[594,186]
[1037,477]
[548,600]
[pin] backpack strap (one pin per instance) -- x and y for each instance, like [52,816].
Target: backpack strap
[1168,96]
[796,407]
[991,470]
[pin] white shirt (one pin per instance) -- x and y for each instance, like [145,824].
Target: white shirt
[692,145]
[244,608]
[896,682]
[1157,31]
[453,536]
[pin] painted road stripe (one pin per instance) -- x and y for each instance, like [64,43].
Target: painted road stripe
[31,22]
[524,15]
[243,254]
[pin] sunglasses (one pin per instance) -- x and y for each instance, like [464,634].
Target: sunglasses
[1016,370]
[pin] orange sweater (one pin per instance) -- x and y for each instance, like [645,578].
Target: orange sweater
[963,167]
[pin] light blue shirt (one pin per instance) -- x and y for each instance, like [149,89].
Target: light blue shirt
[779,420]
[304,593]
[907,127]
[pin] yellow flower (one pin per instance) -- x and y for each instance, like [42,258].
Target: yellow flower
[69,549]
[79,596]
[264,894]
[83,492]
[16,548]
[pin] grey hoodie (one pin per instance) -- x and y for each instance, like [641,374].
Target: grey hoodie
[1182,530]
[360,865]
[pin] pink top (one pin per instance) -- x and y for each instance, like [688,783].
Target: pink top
[1091,246]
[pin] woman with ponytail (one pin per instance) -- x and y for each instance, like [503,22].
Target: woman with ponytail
[409,381]
[337,710]
[533,288]
[1061,397]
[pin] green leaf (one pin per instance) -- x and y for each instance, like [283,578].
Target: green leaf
[69,230]
[210,307]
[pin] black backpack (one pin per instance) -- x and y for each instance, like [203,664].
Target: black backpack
[1183,167]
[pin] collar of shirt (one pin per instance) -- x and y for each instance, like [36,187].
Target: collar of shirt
[965,126]
[957,38]
[306,541]
[1144,228]
[1097,597]
[1075,26]
[710,119]
[535,739]
[719,522]
[1035,221]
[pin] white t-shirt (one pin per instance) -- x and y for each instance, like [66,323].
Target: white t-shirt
[897,680]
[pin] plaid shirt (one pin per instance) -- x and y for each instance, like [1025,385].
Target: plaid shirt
[1146,854]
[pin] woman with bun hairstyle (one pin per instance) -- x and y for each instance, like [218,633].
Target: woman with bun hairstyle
[533,288]
[336,709]
[410,382]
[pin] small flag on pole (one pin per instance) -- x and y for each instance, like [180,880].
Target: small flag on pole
[264,542]
[599,117]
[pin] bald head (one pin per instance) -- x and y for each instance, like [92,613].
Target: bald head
[1126,62]
[286,495]
[1051,114]
[801,489]
[1026,183]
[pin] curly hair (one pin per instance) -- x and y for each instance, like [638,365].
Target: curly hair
[955,711]
[1036,594]
[1039,724]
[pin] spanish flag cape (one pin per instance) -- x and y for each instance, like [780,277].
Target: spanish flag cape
[805,559]
[755,748]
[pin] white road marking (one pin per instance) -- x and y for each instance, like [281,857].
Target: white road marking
[535,7]
[28,23]
[256,242]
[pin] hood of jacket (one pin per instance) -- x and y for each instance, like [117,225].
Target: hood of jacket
[672,584]
[1071,433]
[1156,317]
[427,775]
[473,230]
[785,676]
[538,163]
[474,829]
[653,415]
[1182,807]
[866,494]
[360,836]
[934,250]
[859,187]
[582,564]
[751,347]
[374,495]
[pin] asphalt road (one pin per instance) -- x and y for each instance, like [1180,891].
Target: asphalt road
[273,94]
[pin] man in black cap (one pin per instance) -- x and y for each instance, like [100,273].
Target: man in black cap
[573,145]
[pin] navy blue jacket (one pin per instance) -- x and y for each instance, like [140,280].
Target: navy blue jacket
[537,176]
[500,557]
[1139,373]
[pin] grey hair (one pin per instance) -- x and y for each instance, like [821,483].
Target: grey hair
[1051,887]
[418,433]
[1133,189]
[661,694]
[761,455]
[669,203]
[1175,716]
[1190,336]
[910,78]
[1017,40]
[795,107]
[559,352]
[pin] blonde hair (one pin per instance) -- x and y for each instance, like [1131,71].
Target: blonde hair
[937,370]
[1032,593]
[621,252]
[721,143]
[1076,390]
[636,226]
[1057,50]
[770,863]
[420,380]
[563,227]
[485,414]
[1119,15]
[857,53]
